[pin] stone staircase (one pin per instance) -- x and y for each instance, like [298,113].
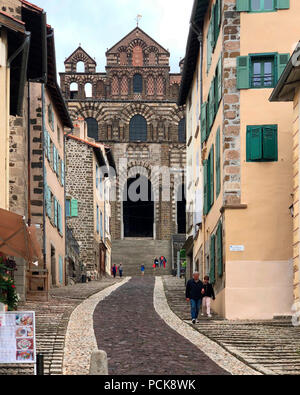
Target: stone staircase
[134,252]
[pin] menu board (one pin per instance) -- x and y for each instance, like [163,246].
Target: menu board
[17,338]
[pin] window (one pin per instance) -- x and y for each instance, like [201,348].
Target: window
[262,5]
[213,31]
[92,128]
[88,90]
[182,131]
[138,128]
[68,208]
[137,83]
[51,116]
[220,250]
[74,208]
[260,70]
[262,143]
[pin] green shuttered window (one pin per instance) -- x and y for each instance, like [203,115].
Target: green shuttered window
[74,208]
[218,163]
[220,250]
[203,116]
[262,143]
[213,30]
[209,182]
[262,5]
[260,70]
[212,274]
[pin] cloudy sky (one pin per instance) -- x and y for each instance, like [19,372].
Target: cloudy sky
[99,24]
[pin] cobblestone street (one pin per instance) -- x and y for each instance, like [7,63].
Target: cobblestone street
[271,347]
[139,342]
[52,319]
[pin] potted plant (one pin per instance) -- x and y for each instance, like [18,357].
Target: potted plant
[8,292]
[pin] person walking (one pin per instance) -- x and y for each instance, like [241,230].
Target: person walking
[143,270]
[194,295]
[121,270]
[156,263]
[114,270]
[208,295]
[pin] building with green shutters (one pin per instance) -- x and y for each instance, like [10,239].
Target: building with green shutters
[239,152]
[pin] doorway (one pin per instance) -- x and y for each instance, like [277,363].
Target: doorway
[138,208]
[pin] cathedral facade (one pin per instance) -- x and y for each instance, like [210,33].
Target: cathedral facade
[131,108]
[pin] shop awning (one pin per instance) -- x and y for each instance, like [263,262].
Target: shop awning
[17,239]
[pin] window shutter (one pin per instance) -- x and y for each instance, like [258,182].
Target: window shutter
[205,188]
[59,214]
[220,250]
[219,12]
[49,146]
[203,122]
[46,143]
[218,163]
[55,212]
[282,4]
[220,82]
[62,173]
[48,202]
[216,21]
[243,5]
[270,143]
[54,158]
[213,32]
[209,48]
[61,270]
[74,208]
[243,72]
[282,61]
[211,105]
[254,144]
[212,178]
[213,259]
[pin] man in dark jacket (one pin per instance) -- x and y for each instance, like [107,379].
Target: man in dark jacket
[194,295]
[208,295]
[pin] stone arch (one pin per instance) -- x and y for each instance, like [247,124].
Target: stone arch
[137,109]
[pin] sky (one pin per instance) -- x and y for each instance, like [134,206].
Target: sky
[99,24]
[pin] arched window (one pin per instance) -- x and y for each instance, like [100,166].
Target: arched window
[73,90]
[92,128]
[182,131]
[80,67]
[138,128]
[137,83]
[88,90]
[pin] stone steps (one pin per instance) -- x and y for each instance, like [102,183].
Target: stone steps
[135,252]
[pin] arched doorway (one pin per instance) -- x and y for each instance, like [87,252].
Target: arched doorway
[138,208]
[181,210]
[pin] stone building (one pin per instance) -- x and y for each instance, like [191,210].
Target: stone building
[240,146]
[87,201]
[132,109]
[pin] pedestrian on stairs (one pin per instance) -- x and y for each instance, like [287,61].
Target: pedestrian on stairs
[194,295]
[114,270]
[143,270]
[121,270]
[156,263]
[208,295]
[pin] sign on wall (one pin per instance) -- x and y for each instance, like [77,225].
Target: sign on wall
[17,338]
[237,248]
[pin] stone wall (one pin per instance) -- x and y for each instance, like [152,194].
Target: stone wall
[79,186]
[231,110]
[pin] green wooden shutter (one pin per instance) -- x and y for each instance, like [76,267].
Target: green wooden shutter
[49,146]
[59,213]
[219,12]
[46,143]
[205,186]
[243,72]
[216,22]
[203,122]
[220,250]
[213,259]
[55,213]
[62,173]
[74,208]
[212,23]
[48,202]
[220,82]
[212,178]
[254,143]
[218,163]
[282,61]
[243,5]
[211,105]
[54,158]
[282,4]
[270,143]
[209,48]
